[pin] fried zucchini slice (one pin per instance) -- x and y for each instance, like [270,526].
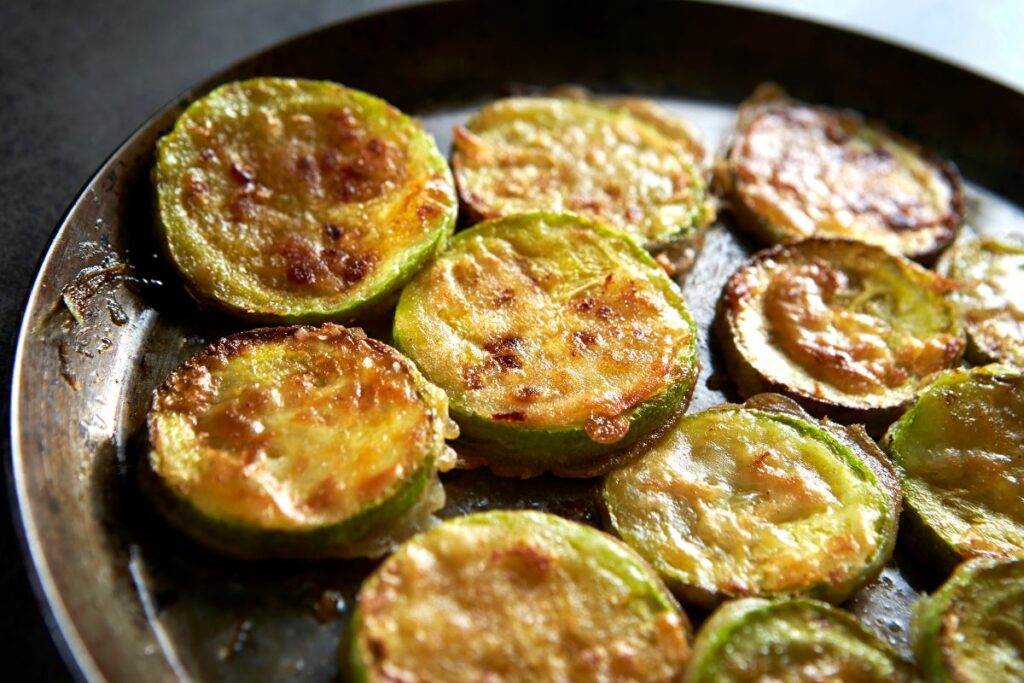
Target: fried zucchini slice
[794,170]
[295,442]
[972,629]
[295,201]
[959,451]
[845,328]
[558,341]
[990,297]
[796,641]
[742,501]
[631,170]
[515,597]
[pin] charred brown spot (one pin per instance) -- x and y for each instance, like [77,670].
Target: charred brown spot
[325,496]
[428,212]
[582,340]
[301,262]
[241,174]
[358,267]
[504,344]
[535,562]
[505,352]
[472,379]
[527,393]
[504,296]
[605,429]
[513,416]
[332,231]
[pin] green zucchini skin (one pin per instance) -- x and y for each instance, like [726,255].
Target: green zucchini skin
[971,630]
[271,193]
[847,329]
[988,272]
[626,163]
[535,329]
[710,483]
[256,450]
[794,640]
[879,188]
[958,454]
[572,603]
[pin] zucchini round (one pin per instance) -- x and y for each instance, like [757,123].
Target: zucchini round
[971,630]
[633,171]
[990,274]
[515,597]
[794,170]
[742,501]
[794,641]
[846,328]
[295,442]
[558,342]
[297,201]
[959,451]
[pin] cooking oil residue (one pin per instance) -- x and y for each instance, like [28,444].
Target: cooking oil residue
[238,641]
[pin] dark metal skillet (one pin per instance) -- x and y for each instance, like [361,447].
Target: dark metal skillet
[131,600]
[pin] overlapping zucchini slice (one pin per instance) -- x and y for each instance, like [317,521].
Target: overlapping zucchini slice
[990,296]
[297,442]
[758,500]
[972,629]
[517,597]
[558,342]
[794,170]
[294,201]
[959,451]
[846,328]
[795,641]
[626,166]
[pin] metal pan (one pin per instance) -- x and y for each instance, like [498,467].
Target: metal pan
[133,601]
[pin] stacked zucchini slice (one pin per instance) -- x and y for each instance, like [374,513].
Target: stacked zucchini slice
[558,344]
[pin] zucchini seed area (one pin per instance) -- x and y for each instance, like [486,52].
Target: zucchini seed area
[990,273]
[531,154]
[796,641]
[841,322]
[960,454]
[802,170]
[290,199]
[293,428]
[737,502]
[517,597]
[972,629]
[547,321]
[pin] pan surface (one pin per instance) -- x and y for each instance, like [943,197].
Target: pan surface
[132,599]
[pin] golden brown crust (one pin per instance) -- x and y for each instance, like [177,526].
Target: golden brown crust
[517,597]
[633,171]
[280,427]
[272,195]
[829,323]
[793,170]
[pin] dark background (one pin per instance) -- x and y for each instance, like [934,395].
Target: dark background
[77,77]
